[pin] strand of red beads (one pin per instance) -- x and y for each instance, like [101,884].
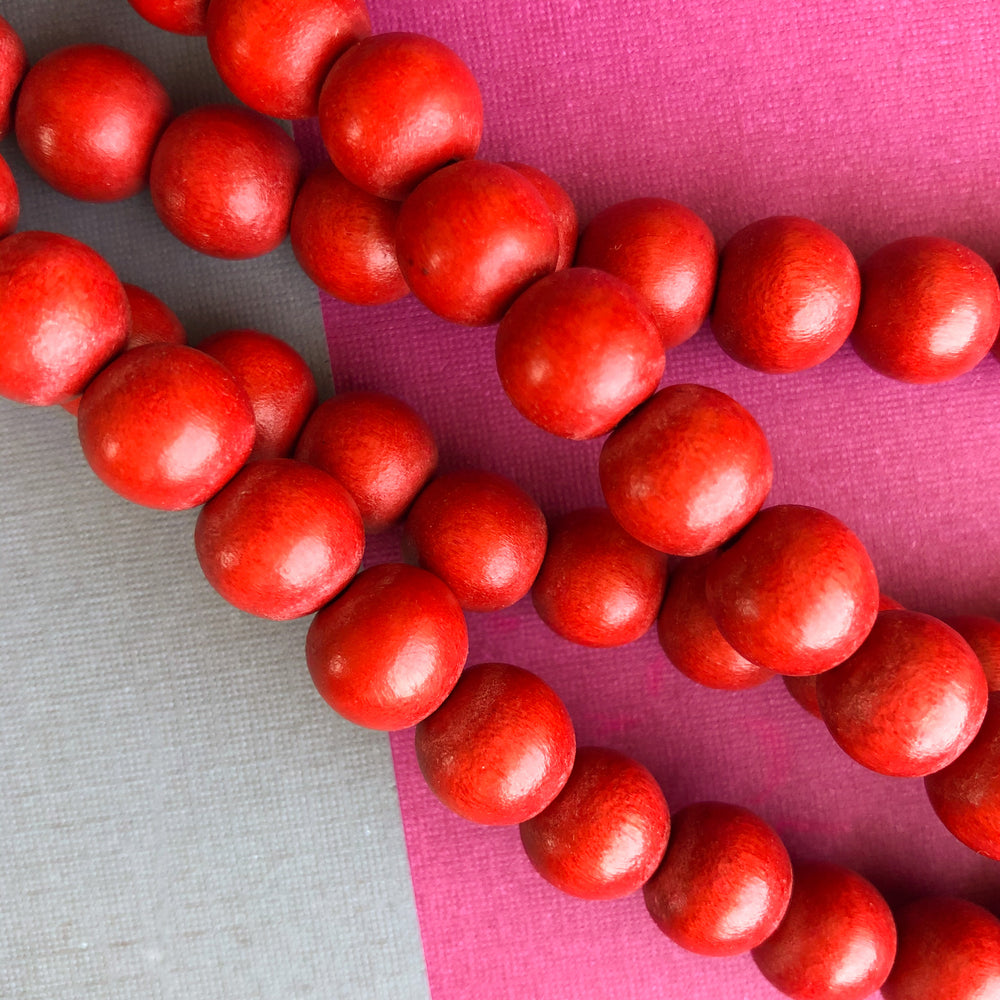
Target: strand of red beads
[580,352]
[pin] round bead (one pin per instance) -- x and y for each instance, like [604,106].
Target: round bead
[577,352]
[836,941]
[63,313]
[500,748]
[481,534]
[377,447]
[598,586]
[13,66]
[153,321]
[563,209]
[10,200]
[223,181]
[909,701]
[796,592]
[983,635]
[665,252]
[930,310]
[280,540]
[277,381]
[165,426]
[724,883]
[787,295]
[606,831]
[686,470]
[88,118]
[183,17]
[388,651]
[274,54]
[471,237]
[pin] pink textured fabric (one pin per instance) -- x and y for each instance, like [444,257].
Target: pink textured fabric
[878,120]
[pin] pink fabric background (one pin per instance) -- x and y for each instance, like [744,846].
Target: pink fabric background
[878,120]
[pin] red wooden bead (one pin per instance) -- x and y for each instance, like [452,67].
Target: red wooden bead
[277,381]
[376,447]
[471,237]
[796,592]
[983,635]
[910,700]
[949,949]
[223,181]
[183,17]
[165,426]
[345,240]
[10,200]
[397,107]
[63,313]
[665,252]
[88,118]
[578,351]
[606,831]
[482,534]
[13,66]
[724,883]
[598,586]
[692,640]
[686,470]
[930,310]
[388,651]
[153,321]
[280,540]
[837,940]
[563,209]
[274,54]
[500,748]
[787,295]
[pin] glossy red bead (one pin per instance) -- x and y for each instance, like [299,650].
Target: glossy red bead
[910,700]
[13,66]
[605,833]
[345,240]
[930,310]
[481,534]
[686,470]
[563,209]
[63,313]
[183,17]
[983,635]
[153,321]
[377,447]
[500,748]
[165,426]
[277,381]
[787,295]
[275,54]
[10,200]
[577,352]
[389,650]
[665,252]
[471,237]
[88,118]
[223,181]
[796,592]
[725,882]
[598,586]
[836,941]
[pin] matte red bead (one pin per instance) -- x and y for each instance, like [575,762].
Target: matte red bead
[277,381]
[183,17]
[983,635]
[725,881]
[598,586]
[605,833]
[10,200]
[280,540]
[686,470]
[930,310]
[389,650]
[563,209]
[909,701]
[665,252]
[577,352]
[471,237]
[796,592]
[482,534]
[88,118]
[223,181]
[13,66]
[275,54]
[165,426]
[397,107]
[836,941]
[787,295]
[500,748]
[153,321]
[63,313]
[377,447]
